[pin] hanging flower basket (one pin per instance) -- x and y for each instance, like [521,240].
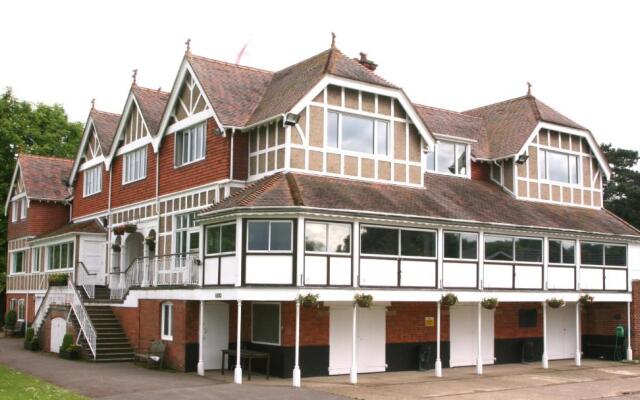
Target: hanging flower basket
[363,300]
[556,303]
[130,228]
[116,248]
[490,303]
[309,300]
[586,300]
[118,230]
[449,299]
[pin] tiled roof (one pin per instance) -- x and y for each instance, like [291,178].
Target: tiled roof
[106,124]
[90,226]
[44,177]
[443,197]
[152,103]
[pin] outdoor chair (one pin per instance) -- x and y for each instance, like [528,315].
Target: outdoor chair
[154,357]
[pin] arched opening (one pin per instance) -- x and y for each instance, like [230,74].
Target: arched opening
[134,248]
[116,248]
[150,243]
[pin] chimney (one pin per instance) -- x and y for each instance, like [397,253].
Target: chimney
[368,64]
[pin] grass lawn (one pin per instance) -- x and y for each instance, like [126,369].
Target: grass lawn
[15,385]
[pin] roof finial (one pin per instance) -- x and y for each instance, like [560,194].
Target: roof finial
[188,43]
[134,75]
[93,103]
[529,88]
[333,40]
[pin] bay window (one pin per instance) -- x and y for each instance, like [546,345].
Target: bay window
[448,158]
[505,248]
[397,242]
[603,254]
[559,167]
[60,256]
[190,144]
[323,237]
[135,165]
[562,251]
[461,245]
[221,239]
[274,236]
[357,133]
[92,180]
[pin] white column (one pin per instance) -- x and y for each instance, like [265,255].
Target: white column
[545,357]
[481,260]
[440,258]
[353,375]
[355,240]
[545,263]
[237,373]
[299,243]
[438,361]
[578,357]
[296,367]
[479,359]
[201,340]
[239,249]
[629,351]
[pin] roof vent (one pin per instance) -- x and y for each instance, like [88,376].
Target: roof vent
[368,64]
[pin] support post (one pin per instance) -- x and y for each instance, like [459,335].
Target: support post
[353,375]
[296,367]
[237,372]
[545,357]
[629,351]
[578,357]
[438,360]
[201,340]
[479,359]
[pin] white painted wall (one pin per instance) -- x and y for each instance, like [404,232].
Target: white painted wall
[271,269]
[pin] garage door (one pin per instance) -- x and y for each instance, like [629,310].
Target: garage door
[561,332]
[371,336]
[463,335]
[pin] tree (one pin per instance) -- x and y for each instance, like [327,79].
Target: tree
[39,129]
[622,191]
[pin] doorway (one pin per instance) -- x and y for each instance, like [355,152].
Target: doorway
[561,332]
[463,335]
[216,333]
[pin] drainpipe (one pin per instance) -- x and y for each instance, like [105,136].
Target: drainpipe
[233,132]
[438,365]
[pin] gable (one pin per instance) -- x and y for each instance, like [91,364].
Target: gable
[135,127]
[93,149]
[190,100]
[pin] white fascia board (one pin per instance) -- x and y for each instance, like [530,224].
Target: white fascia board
[133,146]
[452,138]
[83,143]
[92,163]
[13,181]
[122,123]
[367,87]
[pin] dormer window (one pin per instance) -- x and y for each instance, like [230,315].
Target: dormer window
[448,158]
[559,167]
[358,134]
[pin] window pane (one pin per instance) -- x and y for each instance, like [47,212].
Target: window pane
[446,158]
[498,248]
[573,169]
[469,245]
[357,134]
[280,236]
[63,256]
[228,242]
[418,243]
[213,240]
[592,253]
[496,172]
[461,154]
[166,331]
[339,238]
[332,129]
[451,245]
[529,250]
[178,140]
[555,251]
[265,324]
[615,255]
[315,237]
[558,167]
[379,241]
[383,137]
[258,235]
[194,241]
[568,252]
[542,164]
[431,161]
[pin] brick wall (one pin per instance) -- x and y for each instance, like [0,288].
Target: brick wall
[91,204]
[602,318]
[635,318]
[135,191]
[240,155]
[406,323]
[480,171]
[45,329]
[506,321]
[42,217]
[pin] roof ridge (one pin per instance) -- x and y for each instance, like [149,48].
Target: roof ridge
[46,157]
[150,90]
[105,112]
[294,189]
[448,111]
[534,105]
[367,70]
[266,182]
[230,64]
[497,103]
[536,100]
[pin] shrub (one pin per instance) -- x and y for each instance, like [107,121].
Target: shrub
[10,319]
[67,341]
[58,279]
[30,333]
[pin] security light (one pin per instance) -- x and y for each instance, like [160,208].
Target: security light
[522,158]
[291,119]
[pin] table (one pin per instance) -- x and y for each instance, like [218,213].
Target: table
[248,355]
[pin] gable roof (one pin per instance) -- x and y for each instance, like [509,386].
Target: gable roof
[443,198]
[152,103]
[105,124]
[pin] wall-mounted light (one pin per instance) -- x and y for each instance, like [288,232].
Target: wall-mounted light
[291,119]
[522,158]
[105,222]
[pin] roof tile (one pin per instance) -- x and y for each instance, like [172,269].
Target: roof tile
[45,177]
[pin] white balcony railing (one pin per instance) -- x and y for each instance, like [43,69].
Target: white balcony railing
[87,280]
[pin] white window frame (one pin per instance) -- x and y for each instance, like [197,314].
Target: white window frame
[399,254]
[219,227]
[604,254]
[92,180]
[279,323]
[166,306]
[455,144]
[513,250]
[21,310]
[35,259]
[23,207]
[328,224]
[14,264]
[290,251]
[569,155]
[460,246]
[375,135]
[14,210]
[49,250]
[575,252]
[134,165]
[188,230]
[200,129]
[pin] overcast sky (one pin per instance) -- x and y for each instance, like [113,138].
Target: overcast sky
[582,57]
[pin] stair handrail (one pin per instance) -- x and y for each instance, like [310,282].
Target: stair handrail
[54,295]
[86,327]
[128,278]
[84,280]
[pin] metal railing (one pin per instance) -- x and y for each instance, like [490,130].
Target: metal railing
[87,280]
[86,327]
[54,295]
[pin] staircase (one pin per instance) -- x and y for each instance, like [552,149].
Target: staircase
[102,295]
[111,344]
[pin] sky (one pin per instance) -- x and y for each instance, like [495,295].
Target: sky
[582,57]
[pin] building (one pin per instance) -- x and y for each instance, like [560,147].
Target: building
[199,216]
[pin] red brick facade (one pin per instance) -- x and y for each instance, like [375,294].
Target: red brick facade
[42,217]
[480,171]
[90,204]
[123,194]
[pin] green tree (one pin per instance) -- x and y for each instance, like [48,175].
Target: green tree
[622,191]
[39,129]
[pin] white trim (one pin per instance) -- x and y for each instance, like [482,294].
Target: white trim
[269,251]
[13,181]
[135,145]
[169,307]
[85,137]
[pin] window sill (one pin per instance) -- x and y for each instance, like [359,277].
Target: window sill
[131,182]
[167,338]
[188,163]
[465,176]
[84,196]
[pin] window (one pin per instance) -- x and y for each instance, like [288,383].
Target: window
[269,235]
[21,310]
[135,165]
[504,248]
[35,259]
[448,158]
[360,134]
[603,254]
[562,251]
[190,144]
[325,237]
[527,318]
[496,172]
[19,209]
[167,321]
[265,323]
[60,256]
[14,211]
[23,208]
[92,180]
[221,239]
[18,262]
[558,167]
[461,245]
[187,234]
[397,242]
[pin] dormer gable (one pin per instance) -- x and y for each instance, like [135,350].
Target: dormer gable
[94,149]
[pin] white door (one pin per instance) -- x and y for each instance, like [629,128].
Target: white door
[216,333]
[463,335]
[93,255]
[561,332]
[371,339]
[58,330]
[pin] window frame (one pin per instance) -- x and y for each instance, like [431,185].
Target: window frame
[14,211]
[562,263]
[24,205]
[604,255]
[35,259]
[140,163]
[513,261]
[455,144]
[340,148]
[461,259]
[70,253]
[327,224]
[180,133]
[20,310]
[166,305]
[545,177]
[14,263]
[188,231]
[219,227]
[279,323]
[91,174]
[399,255]
[269,251]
